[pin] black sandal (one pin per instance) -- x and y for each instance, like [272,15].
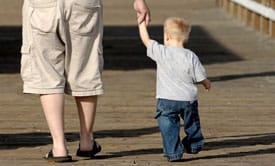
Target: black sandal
[62,159]
[91,153]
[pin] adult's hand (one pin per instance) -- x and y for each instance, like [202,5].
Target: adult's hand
[143,12]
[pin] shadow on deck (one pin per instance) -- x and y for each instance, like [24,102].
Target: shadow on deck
[123,49]
[19,140]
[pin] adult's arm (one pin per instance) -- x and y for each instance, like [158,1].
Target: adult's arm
[143,12]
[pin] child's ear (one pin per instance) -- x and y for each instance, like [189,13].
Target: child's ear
[165,36]
[168,37]
[185,39]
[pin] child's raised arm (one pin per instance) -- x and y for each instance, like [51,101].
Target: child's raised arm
[144,34]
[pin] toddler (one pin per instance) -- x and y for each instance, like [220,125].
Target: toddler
[178,72]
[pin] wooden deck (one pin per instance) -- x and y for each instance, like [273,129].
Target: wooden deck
[237,115]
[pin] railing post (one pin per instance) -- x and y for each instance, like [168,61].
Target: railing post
[265,25]
[257,22]
[219,3]
[227,6]
[273,4]
[235,10]
[273,28]
[249,18]
[272,22]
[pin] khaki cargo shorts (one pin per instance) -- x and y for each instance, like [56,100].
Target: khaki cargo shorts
[62,47]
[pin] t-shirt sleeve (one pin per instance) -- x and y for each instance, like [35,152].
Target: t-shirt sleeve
[155,50]
[199,70]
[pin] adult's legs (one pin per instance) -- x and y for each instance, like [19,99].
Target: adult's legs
[53,107]
[87,111]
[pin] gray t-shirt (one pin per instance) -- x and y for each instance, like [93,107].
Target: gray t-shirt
[178,71]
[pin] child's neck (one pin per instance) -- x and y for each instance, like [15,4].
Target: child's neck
[175,43]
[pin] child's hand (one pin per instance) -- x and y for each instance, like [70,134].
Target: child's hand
[207,84]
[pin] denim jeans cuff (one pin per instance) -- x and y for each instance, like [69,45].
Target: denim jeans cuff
[173,157]
[196,147]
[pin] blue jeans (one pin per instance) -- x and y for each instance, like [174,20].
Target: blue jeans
[168,116]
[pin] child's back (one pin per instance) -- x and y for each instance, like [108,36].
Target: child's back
[178,70]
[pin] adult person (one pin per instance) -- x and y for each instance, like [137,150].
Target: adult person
[62,53]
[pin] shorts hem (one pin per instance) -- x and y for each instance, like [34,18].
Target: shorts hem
[85,93]
[42,91]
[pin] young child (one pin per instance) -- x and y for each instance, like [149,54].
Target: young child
[178,72]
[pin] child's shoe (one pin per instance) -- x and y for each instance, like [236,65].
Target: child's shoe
[189,149]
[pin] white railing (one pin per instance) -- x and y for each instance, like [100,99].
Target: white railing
[256,7]
[253,14]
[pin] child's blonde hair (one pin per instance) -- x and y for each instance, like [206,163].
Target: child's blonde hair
[177,27]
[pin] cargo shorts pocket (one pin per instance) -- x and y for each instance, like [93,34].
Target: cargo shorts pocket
[85,17]
[44,15]
[26,63]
